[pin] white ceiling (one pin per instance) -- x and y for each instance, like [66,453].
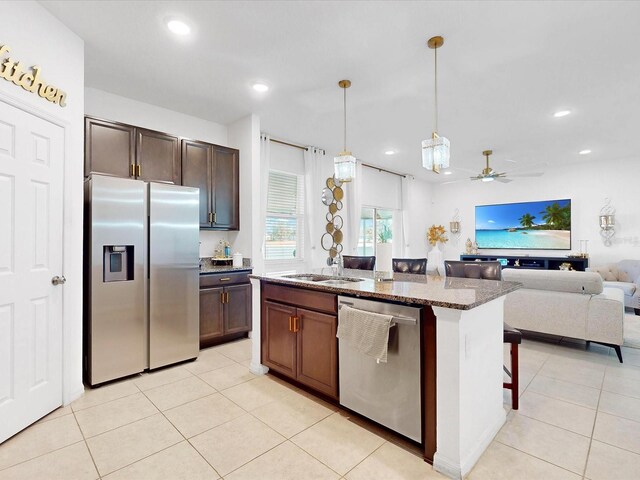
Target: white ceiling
[504,69]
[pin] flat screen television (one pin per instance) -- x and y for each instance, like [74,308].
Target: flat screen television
[544,225]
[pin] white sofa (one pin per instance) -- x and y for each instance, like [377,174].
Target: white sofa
[624,275]
[566,303]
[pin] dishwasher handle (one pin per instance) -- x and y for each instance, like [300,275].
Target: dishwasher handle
[395,318]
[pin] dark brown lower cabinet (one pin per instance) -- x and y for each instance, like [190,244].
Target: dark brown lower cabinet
[211,313]
[298,342]
[225,307]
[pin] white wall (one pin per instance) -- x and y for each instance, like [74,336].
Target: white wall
[109,106]
[586,185]
[418,217]
[37,38]
[245,136]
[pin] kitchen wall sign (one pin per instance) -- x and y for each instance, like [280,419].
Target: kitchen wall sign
[29,79]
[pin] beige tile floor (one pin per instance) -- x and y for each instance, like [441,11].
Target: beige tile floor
[579,418]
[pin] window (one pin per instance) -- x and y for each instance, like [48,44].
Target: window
[285,217]
[376,226]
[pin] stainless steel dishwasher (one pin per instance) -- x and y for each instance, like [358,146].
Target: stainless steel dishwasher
[387,393]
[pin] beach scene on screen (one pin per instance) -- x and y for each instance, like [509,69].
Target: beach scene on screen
[527,225]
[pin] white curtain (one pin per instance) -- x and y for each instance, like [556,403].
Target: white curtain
[312,158]
[405,186]
[265,165]
[354,211]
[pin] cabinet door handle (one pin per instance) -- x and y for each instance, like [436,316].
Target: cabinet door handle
[290,323]
[227,296]
[210,217]
[139,170]
[132,168]
[225,279]
[296,325]
[221,297]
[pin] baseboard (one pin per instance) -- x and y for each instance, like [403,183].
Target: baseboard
[457,472]
[69,397]
[446,468]
[258,369]
[485,440]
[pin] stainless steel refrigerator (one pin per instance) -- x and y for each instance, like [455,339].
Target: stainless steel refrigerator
[141,279]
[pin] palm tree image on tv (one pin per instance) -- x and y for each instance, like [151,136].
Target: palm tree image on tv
[526,220]
[532,225]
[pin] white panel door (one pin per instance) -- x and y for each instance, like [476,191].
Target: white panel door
[31,182]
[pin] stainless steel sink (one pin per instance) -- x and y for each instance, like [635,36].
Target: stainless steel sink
[326,279]
[342,281]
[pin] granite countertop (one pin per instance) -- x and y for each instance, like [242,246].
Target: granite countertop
[455,293]
[207,266]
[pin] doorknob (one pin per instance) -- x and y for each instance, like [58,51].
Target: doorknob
[58,280]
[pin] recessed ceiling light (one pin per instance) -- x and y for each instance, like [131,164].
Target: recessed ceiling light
[390,152]
[260,87]
[448,172]
[178,27]
[562,113]
[584,152]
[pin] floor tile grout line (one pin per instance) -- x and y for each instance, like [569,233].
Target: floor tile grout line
[248,461]
[104,403]
[384,440]
[537,458]
[86,444]
[593,429]
[120,426]
[41,455]
[560,399]
[361,461]
[187,440]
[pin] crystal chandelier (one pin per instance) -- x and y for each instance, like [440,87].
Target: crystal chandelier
[435,150]
[345,164]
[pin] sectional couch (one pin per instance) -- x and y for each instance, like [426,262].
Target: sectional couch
[566,303]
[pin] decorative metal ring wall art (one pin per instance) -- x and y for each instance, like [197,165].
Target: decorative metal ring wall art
[331,240]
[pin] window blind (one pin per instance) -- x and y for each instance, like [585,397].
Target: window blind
[285,216]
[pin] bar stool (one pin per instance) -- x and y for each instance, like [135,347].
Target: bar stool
[492,271]
[513,337]
[358,263]
[410,265]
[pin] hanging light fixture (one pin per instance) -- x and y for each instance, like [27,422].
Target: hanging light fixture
[345,164]
[435,150]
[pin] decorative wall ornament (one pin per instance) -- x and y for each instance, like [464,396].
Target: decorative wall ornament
[12,71]
[331,240]
[607,222]
[454,224]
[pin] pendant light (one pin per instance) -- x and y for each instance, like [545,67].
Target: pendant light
[435,150]
[345,164]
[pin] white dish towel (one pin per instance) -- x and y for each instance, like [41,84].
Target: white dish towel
[366,332]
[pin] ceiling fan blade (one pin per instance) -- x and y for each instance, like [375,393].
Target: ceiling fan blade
[534,174]
[503,179]
[475,178]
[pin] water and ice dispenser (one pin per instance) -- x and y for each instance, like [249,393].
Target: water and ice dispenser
[118,263]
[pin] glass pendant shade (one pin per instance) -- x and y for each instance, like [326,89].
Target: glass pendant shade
[435,153]
[344,166]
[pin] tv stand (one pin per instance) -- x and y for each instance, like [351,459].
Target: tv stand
[531,262]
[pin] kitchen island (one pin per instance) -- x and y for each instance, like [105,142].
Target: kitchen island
[461,349]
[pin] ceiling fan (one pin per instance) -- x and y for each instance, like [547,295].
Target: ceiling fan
[488,174]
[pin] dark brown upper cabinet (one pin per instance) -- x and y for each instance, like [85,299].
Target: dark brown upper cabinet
[109,148]
[157,157]
[215,171]
[131,152]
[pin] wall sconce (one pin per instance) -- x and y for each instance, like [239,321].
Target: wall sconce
[454,224]
[607,222]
